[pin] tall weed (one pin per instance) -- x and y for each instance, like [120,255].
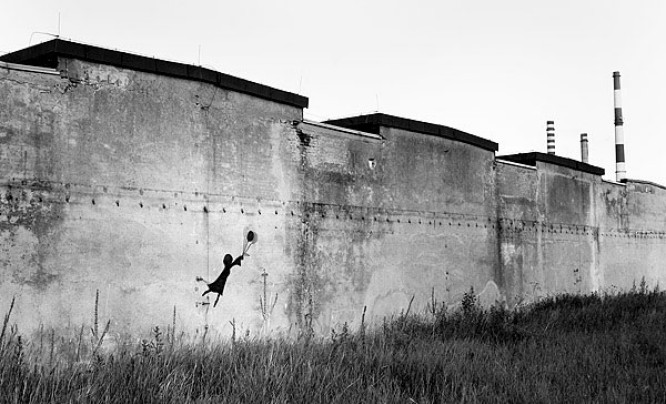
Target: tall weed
[595,348]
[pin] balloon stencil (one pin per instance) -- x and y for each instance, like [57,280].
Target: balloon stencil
[250,238]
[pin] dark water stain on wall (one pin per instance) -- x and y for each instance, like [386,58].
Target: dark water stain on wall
[33,210]
[332,228]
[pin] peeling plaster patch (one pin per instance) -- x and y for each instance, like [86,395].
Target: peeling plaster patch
[390,302]
[17,244]
[98,74]
[508,251]
[128,289]
[277,170]
[490,295]
[18,248]
[41,280]
[27,232]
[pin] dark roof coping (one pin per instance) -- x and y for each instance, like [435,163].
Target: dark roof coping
[532,157]
[46,55]
[370,123]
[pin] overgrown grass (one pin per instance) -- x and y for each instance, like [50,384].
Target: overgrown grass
[567,348]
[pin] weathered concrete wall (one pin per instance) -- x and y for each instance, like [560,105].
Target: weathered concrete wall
[520,239]
[632,232]
[570,232]
[548,230]
[390,219]
[133,184]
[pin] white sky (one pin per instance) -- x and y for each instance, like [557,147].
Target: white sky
[498,69]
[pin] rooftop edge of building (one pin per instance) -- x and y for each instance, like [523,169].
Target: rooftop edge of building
[370,123]
[531,159]
[46,54]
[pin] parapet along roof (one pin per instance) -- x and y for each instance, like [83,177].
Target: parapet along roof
[46,55]
[371,123]
[531,158]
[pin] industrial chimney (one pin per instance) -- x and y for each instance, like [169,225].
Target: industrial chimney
[584,154]
[550,136]
[620,169]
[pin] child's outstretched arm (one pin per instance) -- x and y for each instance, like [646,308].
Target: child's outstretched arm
[237,261]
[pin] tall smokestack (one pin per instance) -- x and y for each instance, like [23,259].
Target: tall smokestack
[583,148]
[620,169]
[550,136]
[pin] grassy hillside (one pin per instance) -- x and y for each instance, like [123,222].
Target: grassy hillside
[563,349]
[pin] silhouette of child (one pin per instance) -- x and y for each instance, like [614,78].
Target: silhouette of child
[218,285]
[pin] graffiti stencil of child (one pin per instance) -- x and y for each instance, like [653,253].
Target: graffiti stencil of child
[218,285]
[229,262]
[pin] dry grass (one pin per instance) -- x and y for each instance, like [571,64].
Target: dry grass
[564,349]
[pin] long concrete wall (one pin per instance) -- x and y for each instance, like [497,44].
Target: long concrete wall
[393,217]
[567,231]
[632,240]
[134,183]
[548,232]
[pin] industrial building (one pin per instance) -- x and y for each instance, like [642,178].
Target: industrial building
[129,177]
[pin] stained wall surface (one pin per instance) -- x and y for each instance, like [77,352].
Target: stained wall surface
[400,216]
[567,231]
[631,242]
[131,184]
[548,232]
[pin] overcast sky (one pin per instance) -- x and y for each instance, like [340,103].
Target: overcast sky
[497,69]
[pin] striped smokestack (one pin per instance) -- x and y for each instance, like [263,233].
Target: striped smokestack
[583,148]
[620,169]
[550,136]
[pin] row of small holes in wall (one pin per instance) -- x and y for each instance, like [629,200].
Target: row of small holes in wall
[519,224]
[584,230]
[554,231]
[409,221]
[389,220]
[430,222]
[307,215]
[375,218]
[633,235]
[164,207]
